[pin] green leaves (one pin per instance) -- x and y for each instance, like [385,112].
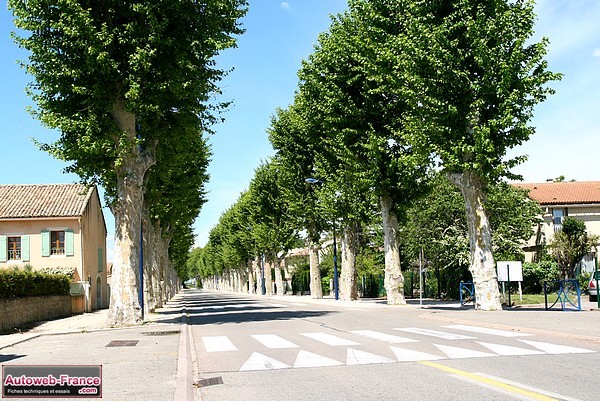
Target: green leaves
[477,80]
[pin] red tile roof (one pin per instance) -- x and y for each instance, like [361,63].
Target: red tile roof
[563,193]
[43,200]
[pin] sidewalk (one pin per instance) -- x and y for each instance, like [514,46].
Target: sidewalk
[138,362]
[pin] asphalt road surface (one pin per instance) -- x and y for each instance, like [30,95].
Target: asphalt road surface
[254,348]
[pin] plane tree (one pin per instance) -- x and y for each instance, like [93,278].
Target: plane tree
[290,136]
[358,109]
[106,73]
[437,225]
[273,231]
[474,77]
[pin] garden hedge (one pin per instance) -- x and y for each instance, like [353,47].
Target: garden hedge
[19,283]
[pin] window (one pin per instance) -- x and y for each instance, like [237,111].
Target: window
[57,242]
[14,248]
[557,218]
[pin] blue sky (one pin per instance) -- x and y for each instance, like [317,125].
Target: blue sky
[281,34]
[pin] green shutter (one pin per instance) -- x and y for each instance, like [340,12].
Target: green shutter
[69,243]
[25,248]
[45,243]
[3,248]
[100,260]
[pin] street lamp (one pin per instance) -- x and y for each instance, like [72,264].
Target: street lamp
[313,181]
[263,287]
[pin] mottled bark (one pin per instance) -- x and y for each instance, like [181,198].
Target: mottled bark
[279,277]
[127,209]
[316,289]
[482,266]
[156,274]
[268,278]
[349,245]
[394,280]
[149,252]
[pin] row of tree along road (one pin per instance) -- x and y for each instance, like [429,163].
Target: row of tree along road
[128,84]
[395,95]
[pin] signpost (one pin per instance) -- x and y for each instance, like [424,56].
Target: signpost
[510,271]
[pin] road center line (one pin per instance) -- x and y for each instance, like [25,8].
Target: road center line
[489,381]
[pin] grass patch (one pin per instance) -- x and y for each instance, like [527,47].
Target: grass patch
[528,299]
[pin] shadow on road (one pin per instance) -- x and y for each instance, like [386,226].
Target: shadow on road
[250,315]
[10,357]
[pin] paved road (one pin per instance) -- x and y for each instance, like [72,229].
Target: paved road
[254,348]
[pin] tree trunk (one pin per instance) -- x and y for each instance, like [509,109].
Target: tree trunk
[156,270]
[260,281]
[278,277]
[251,277]
[127,209]
[316,290]
[149,252]
[268,278]
[348,282]
[394,280]
[482,265]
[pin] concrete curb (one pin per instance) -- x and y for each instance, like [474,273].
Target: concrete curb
[184,382]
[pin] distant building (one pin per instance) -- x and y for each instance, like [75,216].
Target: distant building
[56,225]
[579,200]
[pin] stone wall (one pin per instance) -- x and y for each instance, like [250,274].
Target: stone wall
[17,311]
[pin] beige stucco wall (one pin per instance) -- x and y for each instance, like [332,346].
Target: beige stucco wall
[94,237]
[590,215]
[33,228]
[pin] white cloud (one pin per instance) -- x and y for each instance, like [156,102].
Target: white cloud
[285,5]
[596,52]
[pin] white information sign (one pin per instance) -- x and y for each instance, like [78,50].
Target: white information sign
[509,268]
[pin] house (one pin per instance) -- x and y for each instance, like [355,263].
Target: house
[57,226]
[579,200]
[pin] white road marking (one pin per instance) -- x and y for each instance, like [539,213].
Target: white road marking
[277,305]
[329,339]
[557,349]
[273,341]
[388,338]
[528,388]
[435,333]
[409,355]
[508,350]
[485,330]
[262,362]
[307,359]
[218,344]
[357,357]
[461,353]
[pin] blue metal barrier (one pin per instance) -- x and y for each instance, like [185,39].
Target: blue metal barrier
[467,293]
[565,291]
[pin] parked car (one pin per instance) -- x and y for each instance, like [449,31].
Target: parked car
[592,286]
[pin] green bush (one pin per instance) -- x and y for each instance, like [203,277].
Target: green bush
[21,283]
[584,281]
[534,275]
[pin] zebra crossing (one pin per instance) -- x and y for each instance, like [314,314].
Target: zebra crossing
[268,351]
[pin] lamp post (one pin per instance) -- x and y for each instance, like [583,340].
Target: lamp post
[313,181]
[263,288]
